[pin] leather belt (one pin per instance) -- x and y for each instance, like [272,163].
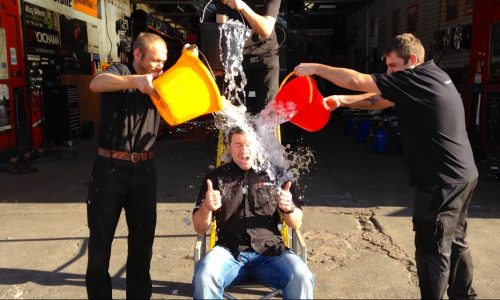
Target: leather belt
[129,156]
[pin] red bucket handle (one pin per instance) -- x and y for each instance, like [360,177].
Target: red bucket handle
[309,81]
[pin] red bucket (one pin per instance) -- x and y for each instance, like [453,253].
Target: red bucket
[301,100]
[294,95]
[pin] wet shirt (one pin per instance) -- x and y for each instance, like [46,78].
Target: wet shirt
[255,45]
[432,123]
[129,120]
[248,218]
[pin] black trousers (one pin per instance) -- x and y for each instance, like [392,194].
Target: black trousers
[262,75]
[444,262]
[114,185]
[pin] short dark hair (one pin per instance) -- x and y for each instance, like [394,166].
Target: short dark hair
[232,131]
[145,39]
[404,45]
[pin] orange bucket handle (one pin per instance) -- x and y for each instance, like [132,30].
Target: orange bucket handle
[308,81]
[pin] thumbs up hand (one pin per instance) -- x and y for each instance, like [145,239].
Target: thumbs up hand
[285,202]
[212,200]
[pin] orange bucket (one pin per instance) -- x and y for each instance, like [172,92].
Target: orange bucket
[187,90]
[301,98]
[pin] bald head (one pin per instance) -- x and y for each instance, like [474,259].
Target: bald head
[146,40]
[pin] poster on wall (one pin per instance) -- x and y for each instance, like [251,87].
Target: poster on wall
[4,71]
[94,38]
[88,7]
[4,109]
[40,17]
[42,29]
[74,43]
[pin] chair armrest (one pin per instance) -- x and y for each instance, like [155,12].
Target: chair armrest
[200,248]
[299,244]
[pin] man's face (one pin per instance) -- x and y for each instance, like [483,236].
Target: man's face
[395,63]
[152,59]
[239,149]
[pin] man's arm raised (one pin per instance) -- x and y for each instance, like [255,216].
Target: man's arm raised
[202,218]
[346,78]
[367,101]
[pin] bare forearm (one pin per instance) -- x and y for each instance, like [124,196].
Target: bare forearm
[346,78]
[294,219]
[347,100]
[112,83]
[368,101]
[202,218]
[262,25]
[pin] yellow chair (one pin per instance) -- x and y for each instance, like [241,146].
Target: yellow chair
[296,240]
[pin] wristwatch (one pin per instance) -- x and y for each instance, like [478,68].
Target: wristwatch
[292,209]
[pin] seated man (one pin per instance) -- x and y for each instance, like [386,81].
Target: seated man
[249,244]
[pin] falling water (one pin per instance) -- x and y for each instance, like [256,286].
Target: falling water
[278,161]
[233,33]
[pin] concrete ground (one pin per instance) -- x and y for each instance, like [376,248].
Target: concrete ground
[357,223]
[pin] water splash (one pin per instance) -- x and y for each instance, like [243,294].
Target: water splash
[280,162]
[233,33]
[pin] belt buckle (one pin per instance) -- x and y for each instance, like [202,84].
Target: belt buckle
[135,157]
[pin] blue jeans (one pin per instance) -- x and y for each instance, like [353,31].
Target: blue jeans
[219,270]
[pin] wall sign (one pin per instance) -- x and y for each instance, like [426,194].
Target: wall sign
[4,71]
[42,29]
[88,7]
[13,56]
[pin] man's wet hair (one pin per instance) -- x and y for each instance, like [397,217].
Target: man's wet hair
[404,45]
[232,131]
[145,39]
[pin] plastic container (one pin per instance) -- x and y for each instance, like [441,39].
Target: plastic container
[187,90]
[294,95]
[380,144]
[364,127]
[303,101]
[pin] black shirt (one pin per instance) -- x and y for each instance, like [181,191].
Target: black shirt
[254,45]
[129,120]
[432,122]
[248,218]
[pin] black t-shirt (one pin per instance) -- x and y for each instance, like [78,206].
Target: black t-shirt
[432,122]
[254,46]
[129,120]
[248,218]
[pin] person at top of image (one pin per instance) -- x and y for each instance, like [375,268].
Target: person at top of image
[260,53]
[439,155]
[246,205]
